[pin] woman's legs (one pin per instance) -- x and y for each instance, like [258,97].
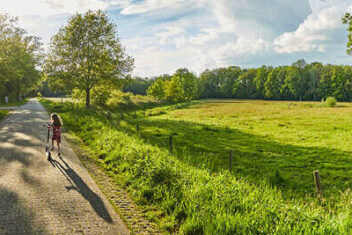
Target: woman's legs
[52,145]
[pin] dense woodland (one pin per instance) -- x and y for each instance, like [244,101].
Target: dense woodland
[300,81]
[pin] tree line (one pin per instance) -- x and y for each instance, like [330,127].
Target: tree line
[20,57]
[299,81]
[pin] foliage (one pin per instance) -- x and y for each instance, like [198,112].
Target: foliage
[218,83]
[174,91]
[137,86]
[3,113]
[20,54]
[182,86]
[347,19]
[245,87]
[330,102]
[87,53]
[189,84]
[300,81]
[197,200]
[157,89]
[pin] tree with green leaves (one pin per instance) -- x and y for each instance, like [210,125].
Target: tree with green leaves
[272,85]
[347,20]
[245,87]
[259,80]
[157,89]
[20,55]
[174,90]
[87,53]
[296,79]
[189,83]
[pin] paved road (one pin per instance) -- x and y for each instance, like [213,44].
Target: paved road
[39,197]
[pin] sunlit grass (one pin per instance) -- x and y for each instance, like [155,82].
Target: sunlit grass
[3,113]
[280,141]
[269,191]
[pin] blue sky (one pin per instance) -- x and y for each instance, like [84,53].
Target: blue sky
[163,35]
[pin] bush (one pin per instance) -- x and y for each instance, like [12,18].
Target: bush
[330,102]
[100,95]
[115,99]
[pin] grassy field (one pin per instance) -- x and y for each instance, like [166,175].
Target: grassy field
[280,141]
[270,190]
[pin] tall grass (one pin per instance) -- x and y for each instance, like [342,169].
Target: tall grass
[194,200]
[3,113]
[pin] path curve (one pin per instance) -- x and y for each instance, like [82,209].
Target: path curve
[39,197]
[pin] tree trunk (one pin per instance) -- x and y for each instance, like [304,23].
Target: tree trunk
[87,98]
[18,92]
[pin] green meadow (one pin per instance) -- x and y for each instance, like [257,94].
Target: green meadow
[190,190]
[281,141]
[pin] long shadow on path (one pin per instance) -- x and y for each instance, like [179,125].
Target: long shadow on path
[80,186]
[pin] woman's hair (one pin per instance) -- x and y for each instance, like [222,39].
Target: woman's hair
[57,119]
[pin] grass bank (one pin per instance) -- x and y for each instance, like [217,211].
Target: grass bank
[12,104]
[184,198]
[3,113]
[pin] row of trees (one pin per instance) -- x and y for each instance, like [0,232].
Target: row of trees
[20,57]
[300,81]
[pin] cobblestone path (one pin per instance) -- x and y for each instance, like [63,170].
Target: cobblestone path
[42,197]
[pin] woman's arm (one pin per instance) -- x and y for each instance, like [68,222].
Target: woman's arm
[48,125]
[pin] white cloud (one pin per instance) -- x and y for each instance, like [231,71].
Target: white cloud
[152,5]
[319,27]
[171,35]
[163,35]
[45,8]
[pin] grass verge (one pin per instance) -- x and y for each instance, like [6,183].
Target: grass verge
[194,200]
[22,102]
[3,113]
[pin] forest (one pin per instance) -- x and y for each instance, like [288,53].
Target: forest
[299,81]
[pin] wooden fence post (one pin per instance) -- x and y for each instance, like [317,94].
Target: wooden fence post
[318,184]
[230,160]
[170,143]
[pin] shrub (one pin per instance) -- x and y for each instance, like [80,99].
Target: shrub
[100,95]
[116,97]
[330,102]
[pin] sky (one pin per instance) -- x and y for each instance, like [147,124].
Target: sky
[164,35]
